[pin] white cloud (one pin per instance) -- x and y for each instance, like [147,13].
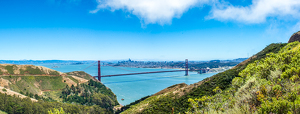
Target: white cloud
[258,12]
[151,11]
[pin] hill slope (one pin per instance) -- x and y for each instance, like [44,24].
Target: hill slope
[47,85]
[11,69]
[269,85]
[178,100]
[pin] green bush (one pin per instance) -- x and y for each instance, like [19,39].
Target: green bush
[10,69]
[34,71]
[4,90]
[277,106]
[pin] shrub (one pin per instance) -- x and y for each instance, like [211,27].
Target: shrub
[237,82]
[277,106]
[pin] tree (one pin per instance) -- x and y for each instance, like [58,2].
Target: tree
[56,111]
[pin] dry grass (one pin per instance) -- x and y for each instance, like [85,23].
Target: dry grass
[10,92]
[16,69]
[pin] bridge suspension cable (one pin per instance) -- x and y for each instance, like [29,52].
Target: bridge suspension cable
[123,69]
[99,71]
[89,66]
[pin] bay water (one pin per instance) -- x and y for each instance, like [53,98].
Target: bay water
[133,87]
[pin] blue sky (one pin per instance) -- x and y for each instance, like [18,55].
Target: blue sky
[143,29]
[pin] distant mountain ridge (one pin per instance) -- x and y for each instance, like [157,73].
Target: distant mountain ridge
[43,61]
[88,61]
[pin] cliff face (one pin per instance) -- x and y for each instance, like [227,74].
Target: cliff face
[295,37]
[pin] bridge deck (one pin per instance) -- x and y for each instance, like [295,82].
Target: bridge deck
[141,73]
[144,73]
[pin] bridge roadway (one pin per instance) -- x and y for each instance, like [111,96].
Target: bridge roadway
[140,73]
[144,73]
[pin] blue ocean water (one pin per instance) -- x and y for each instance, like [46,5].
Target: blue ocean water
[134,87]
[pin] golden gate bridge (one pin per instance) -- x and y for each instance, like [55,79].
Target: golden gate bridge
[186,71]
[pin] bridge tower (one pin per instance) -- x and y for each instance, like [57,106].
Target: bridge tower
[99,71]
[186,67]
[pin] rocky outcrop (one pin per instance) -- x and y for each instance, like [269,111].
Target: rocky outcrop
[295,37]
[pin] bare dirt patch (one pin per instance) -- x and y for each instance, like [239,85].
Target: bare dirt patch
[171,88]
[68,81]
[80,80]
[10,92]
[19,79]
[4,82]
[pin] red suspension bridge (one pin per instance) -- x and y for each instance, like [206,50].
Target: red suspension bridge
[186,71]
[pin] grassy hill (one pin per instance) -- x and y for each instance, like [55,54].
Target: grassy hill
[188,99]
[266,86]
[81,74]
[47,85]
[11,69]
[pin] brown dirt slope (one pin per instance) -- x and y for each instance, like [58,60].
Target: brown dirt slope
[180,89]
[171,88]
[10,92]
[244,62]
[82,74]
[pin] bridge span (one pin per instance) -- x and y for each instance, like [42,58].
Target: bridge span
[186,71]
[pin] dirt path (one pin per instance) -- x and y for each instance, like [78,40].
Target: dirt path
[10,92]
[80,80]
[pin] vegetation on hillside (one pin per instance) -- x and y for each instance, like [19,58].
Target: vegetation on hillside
[16,105]
[92,93]
[131,104]
[54,92]
[12,69]
[1,112]
[180,104]
[269,85]
[34,84]
[91,97]
[81,74]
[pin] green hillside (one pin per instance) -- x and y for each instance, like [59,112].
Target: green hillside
[11,69]
[75,92]
[269,85]
[188,99]
[81,74]
[35,84]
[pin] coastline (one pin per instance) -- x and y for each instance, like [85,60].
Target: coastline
[212,70]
